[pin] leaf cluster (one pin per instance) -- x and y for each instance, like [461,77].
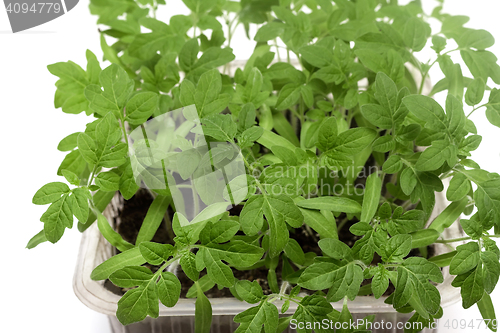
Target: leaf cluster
[331,88]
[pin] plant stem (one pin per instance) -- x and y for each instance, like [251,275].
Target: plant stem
[342,223]
[476,108]
[424,76]
[445,241]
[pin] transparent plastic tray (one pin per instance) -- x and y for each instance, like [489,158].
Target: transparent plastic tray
[94,249]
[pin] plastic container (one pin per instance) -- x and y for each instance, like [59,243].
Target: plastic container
[94,249]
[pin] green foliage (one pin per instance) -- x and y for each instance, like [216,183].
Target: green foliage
[351,112]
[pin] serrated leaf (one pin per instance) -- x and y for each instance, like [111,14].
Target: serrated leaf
[50,193]
[251,292]
[57,218]
[155,253]
[131,276]
[220,127]
[169,289]
[140,107]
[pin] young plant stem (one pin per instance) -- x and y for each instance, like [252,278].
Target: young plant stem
[446,241]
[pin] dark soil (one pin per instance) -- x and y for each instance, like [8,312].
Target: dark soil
[134,210]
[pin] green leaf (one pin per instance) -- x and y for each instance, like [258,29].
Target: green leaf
[130,257]
[354,140]
[220,127]
[482,64]
[314,308]
[284,128]
[470,143]
[74,162]
[219,232]
[335,204]
[413,276]
[68,143]
[380,281]
[475,92]
[202,312]
[252,320]
[449,215]
[108,181]
[336,249]
[205,283]
[318,56]
[493,107]
[491,270]
[346,282]
[286,155]
[269,31]
[208,90]
[393,164]
[137,303]
[443,260]
[71,177]
[131,276]
[70,86]
[472,227]
[428,110]
[251,217]
[415,33]
[459,187]
[117,88]
[200,6]
[249,136]
[423,238]
[397,248]
[371,197]
[169,289]
[236,253]
[189,54]
[155,253]
[472,289]
[410,221]
[477,39]
[37,239]
[101,200]
[377,115]
[58,216]
[217,270]
[87,148]
[487,311]
[50,193]
[326,228]
[278,210]
[153,218]
[188,264]
[294,252]
[250,292]
[253,87]
[80,204]
[113,237]
[467,258]
[246,117]
[140,107]
[288,96]
[327,134]
[434,156]
[270,139]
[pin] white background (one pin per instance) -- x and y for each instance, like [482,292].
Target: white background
[37,293]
